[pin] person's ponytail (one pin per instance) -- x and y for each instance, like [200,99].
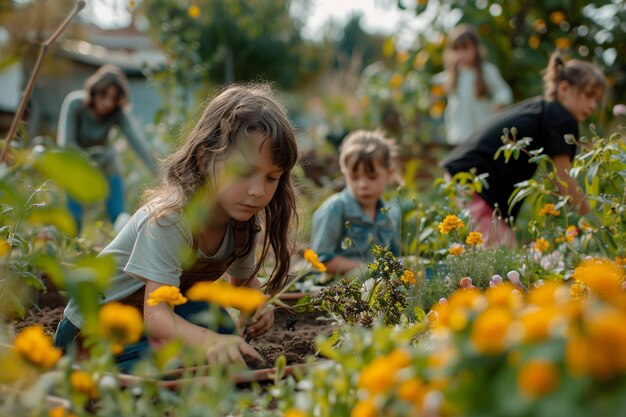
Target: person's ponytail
[553,75]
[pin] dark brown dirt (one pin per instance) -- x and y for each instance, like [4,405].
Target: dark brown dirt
[292,335]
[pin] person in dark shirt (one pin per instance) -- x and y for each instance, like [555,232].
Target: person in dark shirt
[572,91]
[86,118]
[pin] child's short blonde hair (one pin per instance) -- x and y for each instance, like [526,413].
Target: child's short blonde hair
[366,147]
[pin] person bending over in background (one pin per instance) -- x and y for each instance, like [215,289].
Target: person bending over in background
[347,224]
[86,119]
[572,90]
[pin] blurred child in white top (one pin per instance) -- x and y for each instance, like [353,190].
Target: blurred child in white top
[474,87]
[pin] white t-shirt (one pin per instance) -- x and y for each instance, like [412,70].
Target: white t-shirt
[465,112]
[158,251]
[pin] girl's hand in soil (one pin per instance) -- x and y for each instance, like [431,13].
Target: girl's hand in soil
[230,349]
[260,323]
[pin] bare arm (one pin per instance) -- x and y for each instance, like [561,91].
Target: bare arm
[567,184]
[163,324]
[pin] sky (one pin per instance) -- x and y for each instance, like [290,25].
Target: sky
[381,16]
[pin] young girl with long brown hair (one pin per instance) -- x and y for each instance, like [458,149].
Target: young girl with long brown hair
[230,179]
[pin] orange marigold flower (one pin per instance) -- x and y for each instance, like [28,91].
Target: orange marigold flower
[490,330]
[548,210]
[292,412]
[450,223]
[541,245]
[456,249]
[194,11]
[408,277]
[35,346]
[474,239]
[166,294]
[227,295]
[83,383]
[364,408]
[538,378]
[604,277]
[120,324]
[311,257]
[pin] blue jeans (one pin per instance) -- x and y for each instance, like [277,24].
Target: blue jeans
[66,333]
[114,203]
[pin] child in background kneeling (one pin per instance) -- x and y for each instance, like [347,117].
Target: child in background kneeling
[347,224]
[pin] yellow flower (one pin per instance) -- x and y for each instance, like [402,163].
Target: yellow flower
[5,247]
[456,249]
[504,295]
[537,323]
[364,408]
[490,330]
[571,232]
[557,17]
[534,41]
[538,378]
[35,346]
[60,412]
[411,390]
[541,245]
[408,277]
[194,11]
[402,56]
[227,295]
[604,277]
[120,324]
[83,382]
[548,210]
[563,43]
[396,81]
[450,223]
[579,291]
[577,354]
[311,257]
[166,294]
[437,90]
[292,412]
[474,238]
[437,109]
[376,377]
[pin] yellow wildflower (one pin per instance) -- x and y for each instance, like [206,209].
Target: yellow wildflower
[83,383]
[563,43]
[456,249]
[166,294]
[408,277]
[375,377]
[120,324]
[5,247]
[537,323]
[194,11]
[490,330]
[557,17]
[474,238]
[604,277]
[437,90]
[577,354]
[364,408]
[396,81]
[534,41]
[35,346]
[541,245]
[227,295]
[548,210]
[292,412]
[402,56]
[450,223]
[411,390]
[538,378]
[60,412]
[437,109]
[311,257]
[504,295]
[571,232]
[579,291]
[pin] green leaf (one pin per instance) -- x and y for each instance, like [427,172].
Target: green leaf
[74,172]
[57,217]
